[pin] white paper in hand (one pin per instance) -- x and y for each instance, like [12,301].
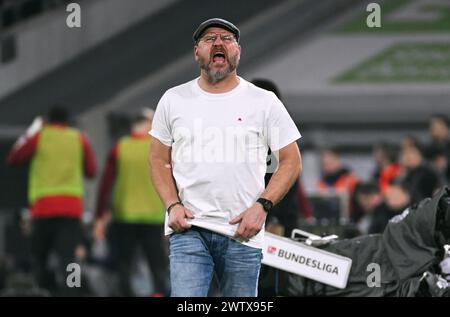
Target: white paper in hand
[35,126]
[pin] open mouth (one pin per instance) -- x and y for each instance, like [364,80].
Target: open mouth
[219,57]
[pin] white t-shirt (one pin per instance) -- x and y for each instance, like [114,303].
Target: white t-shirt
[219,149]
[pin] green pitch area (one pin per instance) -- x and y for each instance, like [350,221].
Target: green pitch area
[417,62]
[427,16]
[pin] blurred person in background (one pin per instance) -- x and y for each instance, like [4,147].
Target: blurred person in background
[439,131]
[387,166]
[60,156]
[374,217]
[439,160]
[397,198]
[417,175]
[137,212]
[407,141]
[438,151]
[378,208]
[337,178]
[285,216]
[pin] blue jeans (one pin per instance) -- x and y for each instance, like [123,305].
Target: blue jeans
[196,253]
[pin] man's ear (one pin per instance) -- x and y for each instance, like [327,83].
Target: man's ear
[195,52]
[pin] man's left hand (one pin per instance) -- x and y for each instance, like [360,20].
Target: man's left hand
[250,221]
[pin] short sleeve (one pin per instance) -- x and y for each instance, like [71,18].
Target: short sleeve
[161,128]
[281,129]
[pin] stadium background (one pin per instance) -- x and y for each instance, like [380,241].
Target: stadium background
[345,84]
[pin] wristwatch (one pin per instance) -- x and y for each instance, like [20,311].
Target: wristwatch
[267,204]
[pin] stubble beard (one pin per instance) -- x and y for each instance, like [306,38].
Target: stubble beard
[215,76]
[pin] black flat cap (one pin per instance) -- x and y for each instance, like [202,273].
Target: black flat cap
[221,23]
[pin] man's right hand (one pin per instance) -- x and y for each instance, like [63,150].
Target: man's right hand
[100,225]
[177,218]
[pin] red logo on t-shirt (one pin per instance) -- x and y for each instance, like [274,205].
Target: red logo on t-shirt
[271,249]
